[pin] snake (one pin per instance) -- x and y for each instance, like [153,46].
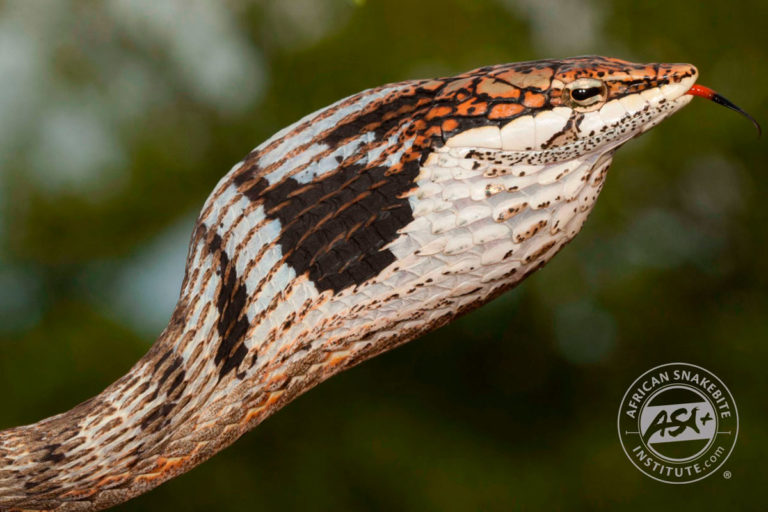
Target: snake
[352,231]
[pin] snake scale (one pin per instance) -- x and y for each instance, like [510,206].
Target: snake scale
[354,230]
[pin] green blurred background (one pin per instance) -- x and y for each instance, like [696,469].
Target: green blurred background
[117,118]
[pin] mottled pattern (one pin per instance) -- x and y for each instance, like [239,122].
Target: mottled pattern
[352,231]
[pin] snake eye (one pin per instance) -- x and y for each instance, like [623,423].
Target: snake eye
[585,92]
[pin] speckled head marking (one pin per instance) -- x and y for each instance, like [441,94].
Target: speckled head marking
[558,109]
[354,230]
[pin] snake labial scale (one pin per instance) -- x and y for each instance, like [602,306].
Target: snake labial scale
[356,229]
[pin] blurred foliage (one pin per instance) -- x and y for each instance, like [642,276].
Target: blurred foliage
[118,118]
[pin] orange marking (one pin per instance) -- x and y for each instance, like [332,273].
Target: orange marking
[471,107]
[80,494]
[169,464]
[504,110]
[449,125]
[533,100]
[433,131]
[148,477]
[274,397]
[107,480]
[253,414]
[163,465]
[405,109]
[277,379]
[440,111]
[336,361]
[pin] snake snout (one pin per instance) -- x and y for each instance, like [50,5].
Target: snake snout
[677,79]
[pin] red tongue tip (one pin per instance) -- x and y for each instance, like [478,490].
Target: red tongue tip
[701,91]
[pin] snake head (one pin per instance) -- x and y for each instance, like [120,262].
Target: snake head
[586,84]
[560,109]
[526,155]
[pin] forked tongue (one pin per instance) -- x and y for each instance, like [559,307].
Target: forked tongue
[706,92]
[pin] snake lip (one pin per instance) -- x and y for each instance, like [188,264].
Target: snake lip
[709,94]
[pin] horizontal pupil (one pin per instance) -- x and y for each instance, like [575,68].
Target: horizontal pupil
[583,94]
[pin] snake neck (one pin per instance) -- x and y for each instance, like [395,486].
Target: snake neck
[167,414]
[89,457]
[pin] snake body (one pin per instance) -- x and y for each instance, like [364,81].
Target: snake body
[354,230]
